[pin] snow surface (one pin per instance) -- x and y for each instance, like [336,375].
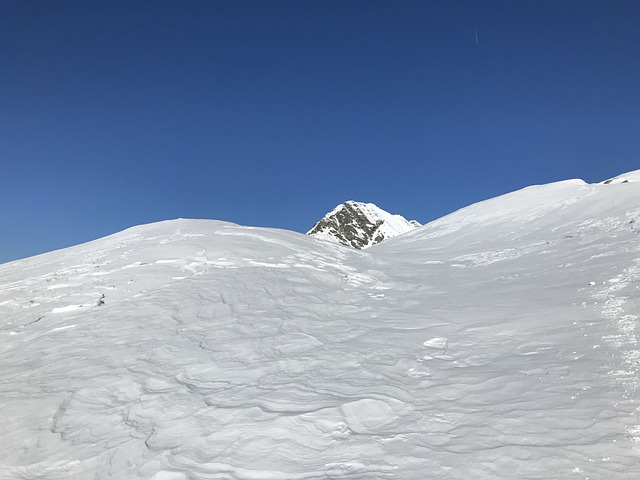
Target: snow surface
[625,178]
[499,342]
[390,225]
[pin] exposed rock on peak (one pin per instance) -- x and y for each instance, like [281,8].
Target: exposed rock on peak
[360,225]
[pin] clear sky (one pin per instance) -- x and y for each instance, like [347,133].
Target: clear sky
[270,113]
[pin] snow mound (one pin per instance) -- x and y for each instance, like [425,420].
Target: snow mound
[633,176]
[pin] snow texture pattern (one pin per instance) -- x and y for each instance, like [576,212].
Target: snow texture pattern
[499,342]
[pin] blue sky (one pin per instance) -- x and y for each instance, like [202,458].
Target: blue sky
[270,113]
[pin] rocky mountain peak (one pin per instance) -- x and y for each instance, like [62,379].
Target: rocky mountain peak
[360,225]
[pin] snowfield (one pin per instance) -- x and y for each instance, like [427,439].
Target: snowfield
[499,342]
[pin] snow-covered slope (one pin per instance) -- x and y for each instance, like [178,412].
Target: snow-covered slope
[625,178]
[360,225]
[499,342]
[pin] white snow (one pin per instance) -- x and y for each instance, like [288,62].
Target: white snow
[624,178]
[499,342]
[392,226]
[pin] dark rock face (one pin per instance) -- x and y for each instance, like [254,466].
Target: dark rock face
[355,225]
[350,227]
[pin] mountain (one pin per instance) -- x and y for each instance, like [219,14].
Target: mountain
[498,342]
[360,225]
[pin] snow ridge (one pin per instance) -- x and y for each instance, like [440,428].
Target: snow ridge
[360,225]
